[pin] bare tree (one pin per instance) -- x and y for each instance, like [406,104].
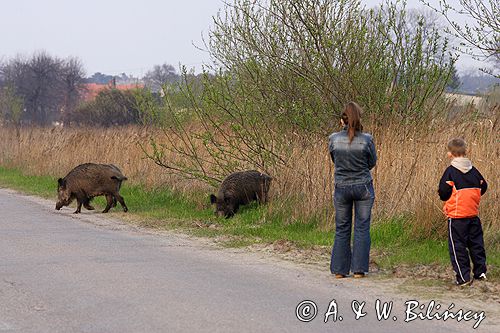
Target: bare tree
[44,87]
[47,85]
[481,38]
[73,82]
[160,75]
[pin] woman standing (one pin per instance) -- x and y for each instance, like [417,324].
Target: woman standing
[353,154]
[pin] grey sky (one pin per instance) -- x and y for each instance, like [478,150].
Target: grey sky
[110,36]
[113,36]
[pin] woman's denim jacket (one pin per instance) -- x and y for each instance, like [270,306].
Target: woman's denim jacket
[353,160]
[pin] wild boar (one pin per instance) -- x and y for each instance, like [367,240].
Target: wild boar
[240,188]
[90,180]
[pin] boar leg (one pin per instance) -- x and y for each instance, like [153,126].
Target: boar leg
[121,201]
[233,210]
[114,202]
[78,208]
[87,204]
[109,203]
[265,196]
[260,197]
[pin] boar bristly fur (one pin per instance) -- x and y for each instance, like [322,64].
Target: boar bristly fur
[90,180]
[240,188]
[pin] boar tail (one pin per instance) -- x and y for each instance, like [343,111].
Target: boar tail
[121,178]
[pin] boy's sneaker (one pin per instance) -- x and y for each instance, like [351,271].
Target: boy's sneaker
[464,284]
[481,277]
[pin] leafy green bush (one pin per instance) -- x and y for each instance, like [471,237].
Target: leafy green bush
[283,70]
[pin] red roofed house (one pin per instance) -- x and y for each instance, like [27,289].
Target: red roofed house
[91,90]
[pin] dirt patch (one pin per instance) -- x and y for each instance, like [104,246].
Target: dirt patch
[442,277]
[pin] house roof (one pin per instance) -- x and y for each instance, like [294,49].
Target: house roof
[91,90]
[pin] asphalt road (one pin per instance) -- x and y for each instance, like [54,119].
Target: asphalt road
[88,273]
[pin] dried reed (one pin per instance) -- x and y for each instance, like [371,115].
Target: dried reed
[411,161]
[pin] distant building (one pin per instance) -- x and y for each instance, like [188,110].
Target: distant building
[91,90]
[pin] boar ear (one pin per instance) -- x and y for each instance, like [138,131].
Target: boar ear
[61,182]
[213,199]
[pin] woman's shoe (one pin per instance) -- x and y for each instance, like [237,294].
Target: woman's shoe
[358,275]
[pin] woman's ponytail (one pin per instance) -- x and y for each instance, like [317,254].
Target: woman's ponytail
[352,119]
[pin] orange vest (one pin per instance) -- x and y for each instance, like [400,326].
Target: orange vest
[463,202]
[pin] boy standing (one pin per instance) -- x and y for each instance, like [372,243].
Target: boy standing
[462,187]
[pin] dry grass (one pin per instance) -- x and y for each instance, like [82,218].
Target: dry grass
[411,161]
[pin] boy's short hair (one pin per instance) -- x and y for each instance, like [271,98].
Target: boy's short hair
[457,147]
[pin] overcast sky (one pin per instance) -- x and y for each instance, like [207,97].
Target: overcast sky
[113,36]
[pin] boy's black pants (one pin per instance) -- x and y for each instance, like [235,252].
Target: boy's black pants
[465,237]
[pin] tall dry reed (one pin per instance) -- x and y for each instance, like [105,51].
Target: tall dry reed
[411,161]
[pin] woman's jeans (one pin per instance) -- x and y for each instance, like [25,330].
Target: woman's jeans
[361,196]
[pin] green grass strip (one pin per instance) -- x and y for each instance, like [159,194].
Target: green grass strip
[161,208]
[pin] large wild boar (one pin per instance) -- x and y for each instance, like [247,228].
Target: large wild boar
[90,180]
[240,188]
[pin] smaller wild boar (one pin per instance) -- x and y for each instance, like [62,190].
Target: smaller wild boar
[240,188]
[90,180]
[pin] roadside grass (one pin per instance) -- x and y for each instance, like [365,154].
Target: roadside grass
[43,186]
[392,239]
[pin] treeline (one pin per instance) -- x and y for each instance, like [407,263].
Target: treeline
[40,89]
[293,64]
[46,90]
